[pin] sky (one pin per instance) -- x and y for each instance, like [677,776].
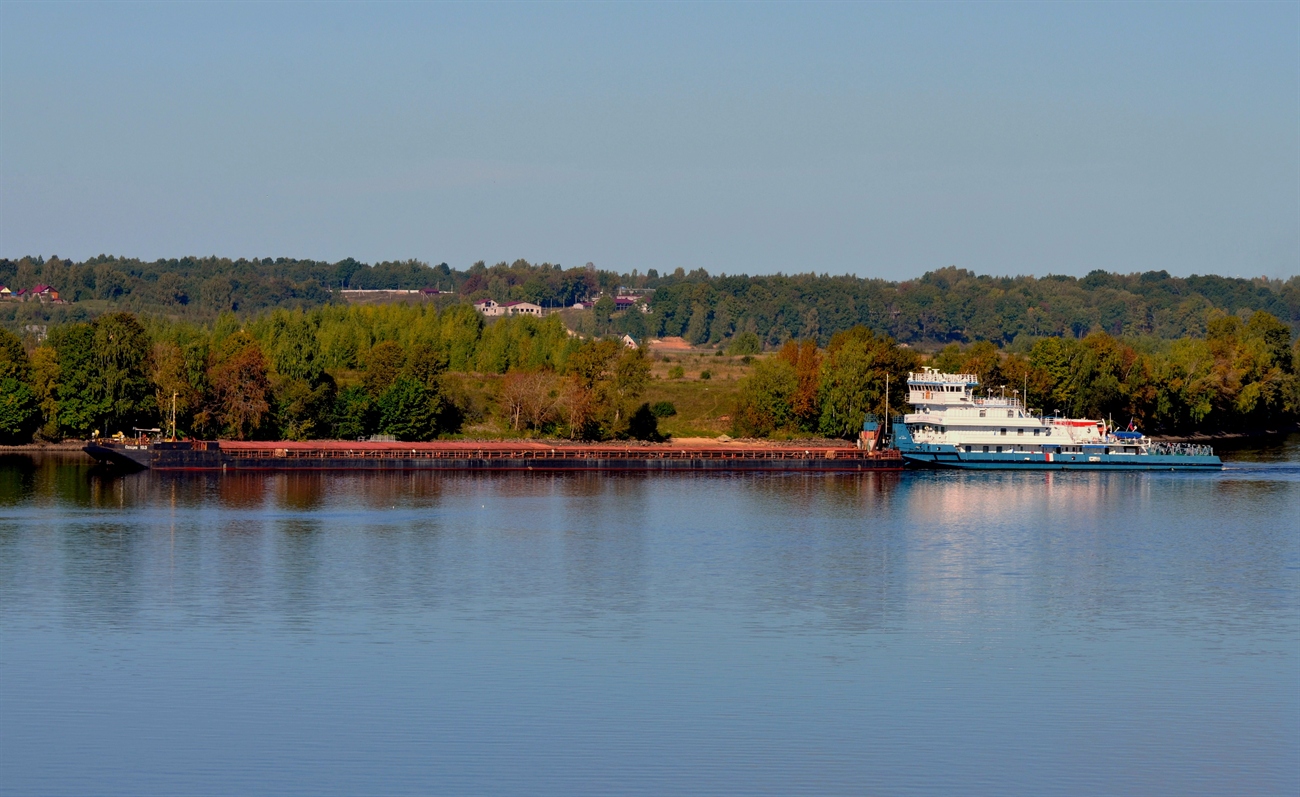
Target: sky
[880,139]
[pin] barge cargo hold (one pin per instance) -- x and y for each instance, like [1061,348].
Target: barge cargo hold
[495,456]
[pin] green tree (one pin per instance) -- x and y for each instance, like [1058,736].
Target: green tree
[122,372]
[602,312]
[643,424]
[45,384]
[587,398]
[355,415]
[81,403]
[19,409]
[764,404]
[409,411]
[743,344]
[631,374]
[854,379]
[383,366]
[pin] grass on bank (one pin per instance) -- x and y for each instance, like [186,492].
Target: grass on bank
[703,406]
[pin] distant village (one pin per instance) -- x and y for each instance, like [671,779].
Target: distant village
[494,309]
[488,307]
[491,308]
[40,293]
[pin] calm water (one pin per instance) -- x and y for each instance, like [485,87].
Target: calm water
[1001,634]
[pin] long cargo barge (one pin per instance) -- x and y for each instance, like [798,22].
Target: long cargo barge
[226,455]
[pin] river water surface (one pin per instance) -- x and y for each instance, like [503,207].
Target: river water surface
[887,634]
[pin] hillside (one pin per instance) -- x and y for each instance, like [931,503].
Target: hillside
[943,306]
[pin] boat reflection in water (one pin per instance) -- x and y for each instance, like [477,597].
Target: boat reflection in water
[397,632]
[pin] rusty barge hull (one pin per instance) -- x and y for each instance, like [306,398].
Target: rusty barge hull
[458,456]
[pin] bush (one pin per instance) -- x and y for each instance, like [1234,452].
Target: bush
[745,343]
[643,425]
[663,409]
[676,372]
[705,375]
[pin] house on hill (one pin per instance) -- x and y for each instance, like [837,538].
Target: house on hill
[522,308]
[629,342]
[489,308]
[43,293]
[493,309]
[5,293]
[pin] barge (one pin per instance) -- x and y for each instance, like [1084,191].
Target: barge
[226,455]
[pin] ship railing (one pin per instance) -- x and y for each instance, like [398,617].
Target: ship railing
[1181,449]
[935,377]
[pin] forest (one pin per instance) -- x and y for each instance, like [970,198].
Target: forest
[399,370]
[948,305]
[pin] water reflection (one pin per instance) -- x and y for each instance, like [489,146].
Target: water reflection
[739,626]
[856,553]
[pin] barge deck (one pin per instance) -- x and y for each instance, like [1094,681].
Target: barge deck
[227,455]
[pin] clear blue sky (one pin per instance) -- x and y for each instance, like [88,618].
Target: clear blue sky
[875,139]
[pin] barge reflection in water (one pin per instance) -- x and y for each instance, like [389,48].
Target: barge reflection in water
[396,633]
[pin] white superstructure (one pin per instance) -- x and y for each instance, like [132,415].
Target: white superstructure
[949,414]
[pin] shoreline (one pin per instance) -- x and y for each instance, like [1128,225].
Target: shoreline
[76,446]
[1227,437]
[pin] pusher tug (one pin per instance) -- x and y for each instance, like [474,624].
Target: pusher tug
[952,428]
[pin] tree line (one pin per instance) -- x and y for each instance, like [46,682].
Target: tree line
[943,306]
[334,372]
[1243,376]
[351,372]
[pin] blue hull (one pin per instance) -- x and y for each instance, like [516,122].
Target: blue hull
[1031,461]
[1089,457]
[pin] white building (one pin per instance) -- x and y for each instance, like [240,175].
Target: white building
[522,308]
[489,308]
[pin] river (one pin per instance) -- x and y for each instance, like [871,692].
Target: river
[887,634]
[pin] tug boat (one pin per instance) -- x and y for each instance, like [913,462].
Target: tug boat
[953,428]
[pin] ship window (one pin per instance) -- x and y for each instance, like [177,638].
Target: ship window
[1004,432]
[982,413]
[986,449]
[967,449]
[1011,413]
[1036,432]
[1020,431]
[999,449]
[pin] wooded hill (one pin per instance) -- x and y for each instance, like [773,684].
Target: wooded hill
[415,372]
[943,306]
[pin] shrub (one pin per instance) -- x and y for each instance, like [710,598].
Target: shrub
[705,375]
[663,409]
[643,425]
[745,343]
[676,372]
